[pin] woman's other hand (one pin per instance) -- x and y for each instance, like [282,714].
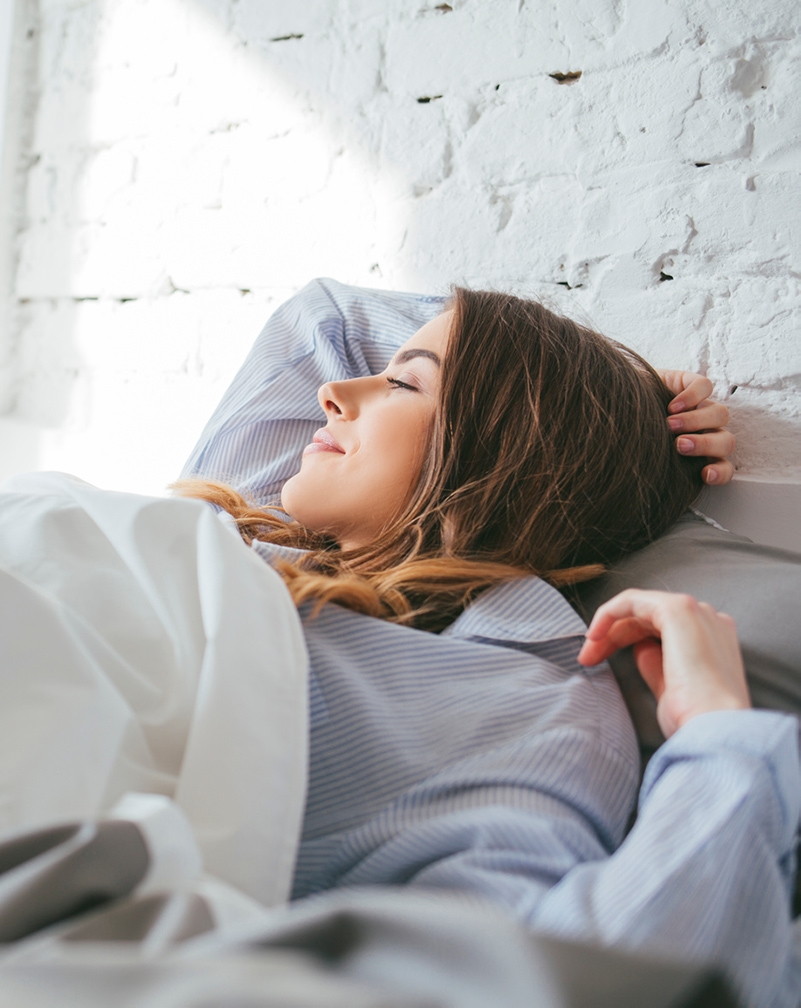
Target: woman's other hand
[693,413]
[686,652]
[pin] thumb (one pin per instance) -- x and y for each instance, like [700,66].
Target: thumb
[648,656]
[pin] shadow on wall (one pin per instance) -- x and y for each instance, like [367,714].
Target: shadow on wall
[764,429]
[515,146]
[40,363]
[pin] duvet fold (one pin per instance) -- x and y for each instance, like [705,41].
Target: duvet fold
[146,649]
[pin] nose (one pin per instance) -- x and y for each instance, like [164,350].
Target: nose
[340,398]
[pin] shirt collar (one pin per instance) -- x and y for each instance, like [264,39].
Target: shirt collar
[272,552]
[268,551]
[527,609]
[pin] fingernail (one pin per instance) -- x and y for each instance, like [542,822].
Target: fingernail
[684,445]
[711,476]
[677,407]
[675,423]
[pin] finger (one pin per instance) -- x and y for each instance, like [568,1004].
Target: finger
[619,607]
[650,610]
[620,634]
[715,444]
[700,668]
[648,656]
[631,604]
[717,473]
[689,389]
[677,381]
[708,416]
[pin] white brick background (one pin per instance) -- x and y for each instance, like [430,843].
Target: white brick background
[189,163]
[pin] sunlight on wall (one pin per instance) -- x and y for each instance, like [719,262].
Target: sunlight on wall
[200,191]
[194,162]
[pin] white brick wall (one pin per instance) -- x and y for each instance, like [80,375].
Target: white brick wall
[9,195]
[6,31]
[195,161]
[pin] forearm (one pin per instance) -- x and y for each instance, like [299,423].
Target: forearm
[707,869]
[704,875]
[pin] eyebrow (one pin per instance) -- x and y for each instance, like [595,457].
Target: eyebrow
[407,355]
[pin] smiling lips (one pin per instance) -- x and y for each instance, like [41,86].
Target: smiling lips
[323,442]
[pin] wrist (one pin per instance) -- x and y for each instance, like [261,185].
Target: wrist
[756,746]
[729,703]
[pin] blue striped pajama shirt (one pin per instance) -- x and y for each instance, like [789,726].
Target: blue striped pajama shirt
[485,759]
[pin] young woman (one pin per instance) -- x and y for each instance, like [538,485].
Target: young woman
[448,485]
[529,449]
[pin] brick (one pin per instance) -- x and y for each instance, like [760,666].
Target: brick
[183,153]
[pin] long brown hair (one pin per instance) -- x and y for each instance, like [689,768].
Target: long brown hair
[550,454]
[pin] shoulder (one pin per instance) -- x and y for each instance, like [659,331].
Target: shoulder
[454,710]
[522,611]
[530,616]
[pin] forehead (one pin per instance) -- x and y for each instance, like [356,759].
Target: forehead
[433,336]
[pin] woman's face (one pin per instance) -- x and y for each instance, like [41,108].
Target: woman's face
[361,468]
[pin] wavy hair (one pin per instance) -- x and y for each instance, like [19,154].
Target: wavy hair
[550,454]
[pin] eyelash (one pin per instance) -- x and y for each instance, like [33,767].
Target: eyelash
[397,383]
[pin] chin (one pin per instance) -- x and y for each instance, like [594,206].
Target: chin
[294,501]
[292,497]
[286,495]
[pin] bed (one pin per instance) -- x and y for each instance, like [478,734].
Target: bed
[131,859]
[136,867]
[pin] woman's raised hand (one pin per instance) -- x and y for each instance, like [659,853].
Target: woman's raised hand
[686,652]
[693,413]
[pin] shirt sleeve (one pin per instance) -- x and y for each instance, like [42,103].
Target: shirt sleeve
[706,872]
[327,332]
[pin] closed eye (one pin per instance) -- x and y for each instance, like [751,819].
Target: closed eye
[397,383]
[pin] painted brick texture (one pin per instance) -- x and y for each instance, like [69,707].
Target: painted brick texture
[193,162]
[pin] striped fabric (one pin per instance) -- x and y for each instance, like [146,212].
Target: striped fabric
[485,758]
[328,332]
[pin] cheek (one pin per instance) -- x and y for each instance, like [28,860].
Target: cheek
[362,491]
[396,453]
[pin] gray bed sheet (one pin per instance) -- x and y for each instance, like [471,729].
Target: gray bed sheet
[77,933]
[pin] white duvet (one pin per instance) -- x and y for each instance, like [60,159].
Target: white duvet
[144,648]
